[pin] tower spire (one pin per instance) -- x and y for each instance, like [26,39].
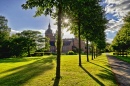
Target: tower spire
[49,26]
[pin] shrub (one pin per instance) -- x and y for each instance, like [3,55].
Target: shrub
[54,53]
[47,53]
[71,53]
[83,53]
[63,53]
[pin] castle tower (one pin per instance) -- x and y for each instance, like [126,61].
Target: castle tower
[49,34]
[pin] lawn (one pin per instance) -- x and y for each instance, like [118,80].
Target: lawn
[126,59]
[40,71]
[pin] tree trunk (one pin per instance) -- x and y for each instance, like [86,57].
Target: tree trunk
[123,53]
[79,42]
[96,52]
[92,52]
[59,42]
[28,49]
[87,49]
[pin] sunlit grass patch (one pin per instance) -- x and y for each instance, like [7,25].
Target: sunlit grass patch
[17,73]
[40,71]
[94,73]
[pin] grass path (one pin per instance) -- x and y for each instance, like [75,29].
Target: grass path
[40,71]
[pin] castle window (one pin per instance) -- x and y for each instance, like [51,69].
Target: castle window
[64,48]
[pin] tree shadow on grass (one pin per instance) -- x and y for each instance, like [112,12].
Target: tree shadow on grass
[43,60]
[105,73]
[27,72]
[18,59]
[100,66]
[99,82]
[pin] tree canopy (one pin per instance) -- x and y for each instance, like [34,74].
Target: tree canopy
[121,41]
[4,29]
[84,14]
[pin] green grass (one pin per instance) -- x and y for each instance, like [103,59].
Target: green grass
[40,71]
[126,59]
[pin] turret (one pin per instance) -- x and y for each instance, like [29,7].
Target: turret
[48,33]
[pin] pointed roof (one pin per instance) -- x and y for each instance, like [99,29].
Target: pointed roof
[49,29]
[49,26]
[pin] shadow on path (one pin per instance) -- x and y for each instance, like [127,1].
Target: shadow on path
[121,70]
[99,82]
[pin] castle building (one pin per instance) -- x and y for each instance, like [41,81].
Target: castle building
[69,44]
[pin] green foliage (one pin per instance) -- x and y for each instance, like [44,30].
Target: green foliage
[127,18]
[40,50]
[108,47]
[4,29]
[48,7]
[18,46]
[43,44]
[47,44]
[4,38]
[78,12]
[87,21]
[47,53]
[54,53]
[121,41]
[32,37]
[126,59]
[21,44]
[5,49]
[71,53]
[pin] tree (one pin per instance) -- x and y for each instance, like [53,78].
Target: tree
[89,18]
[47,7]
[47,44]
[93,29]
[108,47]
[4,49]
[56,36]
[76,16]
[4,29]
[4,37]
[42,43]
[31,39]
[17,46]
[127,18]
[121,41]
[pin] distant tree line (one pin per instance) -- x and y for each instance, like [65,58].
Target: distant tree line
[20,44]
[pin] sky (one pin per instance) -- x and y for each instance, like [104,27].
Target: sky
[115,12]
[20,19]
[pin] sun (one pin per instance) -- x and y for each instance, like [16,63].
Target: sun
[66,20]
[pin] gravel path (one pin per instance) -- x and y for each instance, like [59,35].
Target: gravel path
[121,70]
